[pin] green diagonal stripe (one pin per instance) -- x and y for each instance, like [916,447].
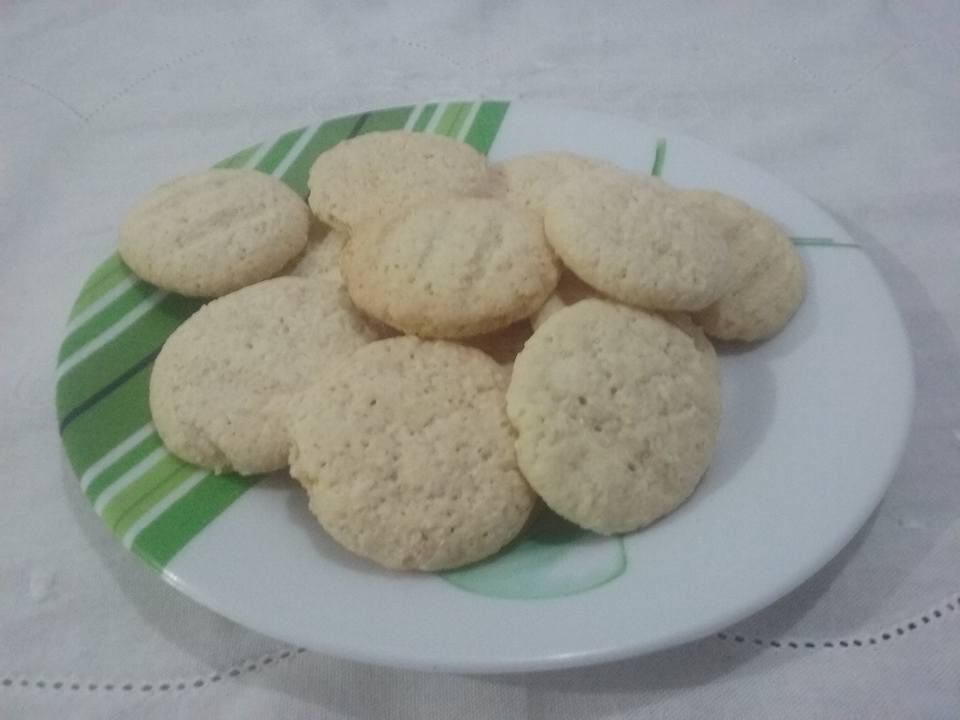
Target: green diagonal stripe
[424,118]
[278,151]
[450,119]
[486,124]
[167,473]
[166,536]
[100,282]
[122,465]
[390,119]
[108,423]
[658,158]
[126,349]
[105,319]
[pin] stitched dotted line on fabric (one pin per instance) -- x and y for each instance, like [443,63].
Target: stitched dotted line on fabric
[898,631]
[170,686]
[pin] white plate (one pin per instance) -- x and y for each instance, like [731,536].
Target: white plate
[813,426]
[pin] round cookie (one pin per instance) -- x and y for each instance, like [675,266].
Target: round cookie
[768,280]
[528,180]
[321,258]
[452,268]
[617,412]
[221,384]
[630,238]
[213,232]
[377,176]
[407,455]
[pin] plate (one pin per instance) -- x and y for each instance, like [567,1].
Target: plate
[814,422]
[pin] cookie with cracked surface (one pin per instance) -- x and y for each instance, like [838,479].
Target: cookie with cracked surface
[630,238]
[407,455]
[213,232]
[768,280]
[452,268]
[617,412]
[222,381]
[374,177]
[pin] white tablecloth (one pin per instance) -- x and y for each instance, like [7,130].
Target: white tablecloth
[857,104]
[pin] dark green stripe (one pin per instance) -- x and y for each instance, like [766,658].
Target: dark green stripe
[326,136]
[389,119]
[169,533]
[278,151]
[659,157]
[108,422]
[486,124]
[105,319]
[122,465]
[239,159]
[102,368]
[424,119]
[69,417]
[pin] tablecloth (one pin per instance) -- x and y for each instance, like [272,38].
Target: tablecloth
[856,104]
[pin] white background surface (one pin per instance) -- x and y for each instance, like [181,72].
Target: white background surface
[856,105]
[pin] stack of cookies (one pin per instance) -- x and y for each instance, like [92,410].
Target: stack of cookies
[440,342]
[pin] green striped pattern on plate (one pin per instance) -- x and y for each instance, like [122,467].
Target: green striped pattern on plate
[152,501]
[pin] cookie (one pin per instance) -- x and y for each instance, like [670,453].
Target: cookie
[222,381]
[407,455]
[528,180]
[631,239]
[768,280]
[374,177]
[451,268]
[321,257]
[617,412]
[213,232]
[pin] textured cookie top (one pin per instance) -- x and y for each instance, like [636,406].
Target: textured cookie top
[221,384]
[407,455]
[321,257]
[451,268]
[768,279]
[630,238]
[377,176]
[617,413]
[208,234]
[528,180]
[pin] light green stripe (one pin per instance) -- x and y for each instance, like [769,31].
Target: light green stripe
[108,423]
[123,352]
[240,159]
[122,465]
[449,119]
[100,282]
[486,124]
[822,242]
[325,137]
[424,118]
[390,119]
[460,119]
[141,495]
[278,151]
[104,319]
[168,534]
